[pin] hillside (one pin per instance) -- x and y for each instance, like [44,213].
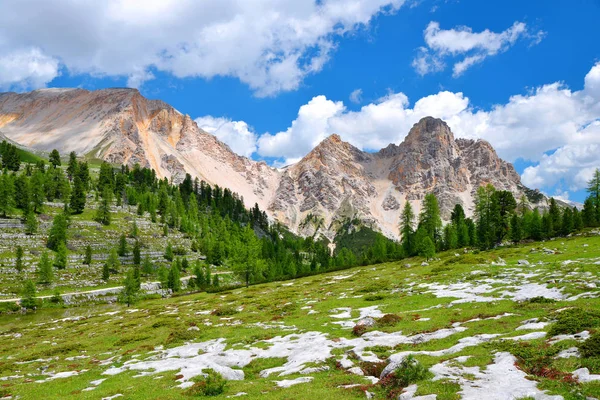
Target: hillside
[509,323]
[334,182]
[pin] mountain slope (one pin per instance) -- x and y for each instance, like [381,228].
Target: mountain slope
[123,127]
[332,183]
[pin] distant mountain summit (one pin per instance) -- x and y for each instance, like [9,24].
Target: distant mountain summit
[332,183]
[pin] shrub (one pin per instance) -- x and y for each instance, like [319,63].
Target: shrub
[373,368]
[374,297]
[359,330]
[389,320]
[408,372]
[591,347]
[224,311]
[540,300]
[212,384]
[574,320]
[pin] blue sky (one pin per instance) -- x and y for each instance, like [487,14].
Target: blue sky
[277,110]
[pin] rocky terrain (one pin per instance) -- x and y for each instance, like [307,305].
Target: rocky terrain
[335,181]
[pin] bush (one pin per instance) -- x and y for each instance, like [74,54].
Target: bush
[540,300]
[591,347]
[374,297]
[408,372]
[574,320]
[359,330]
[212,384]
[224,311]
[389,320]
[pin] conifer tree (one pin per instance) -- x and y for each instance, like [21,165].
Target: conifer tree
[147,266]
[77,203]
[516,232]
[123,249]
[174,278]
[72,167]
[207,275]
[58,232]
[31,223]
[87,259]
[554,225]
[200,278]
[29,301]
[594,193]
[7,195]
[36,194]
[44,270]
[169,252]
[60,258]
[54,158]
[429,219]
[588,215]
[216,281]
[137,255]
[535,232]
[105,272]
[103,214]
[567,225]
[19,259]
[131,290]
[407,221]
[577,220]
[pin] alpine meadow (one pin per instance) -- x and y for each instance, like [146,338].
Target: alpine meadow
[190,209]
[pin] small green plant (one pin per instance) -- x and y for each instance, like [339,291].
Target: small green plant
[224,311]
[574,320]
[212,384]
[408,372]
[389,320]
[374,297]
[591,347]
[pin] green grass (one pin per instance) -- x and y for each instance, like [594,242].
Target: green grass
[251,317]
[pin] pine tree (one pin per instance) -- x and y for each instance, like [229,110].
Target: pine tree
[73,166]
[147,266]
[60,258]
[450,237]
[185,264]
[31,223]
[430,219]
[216,281]
[123,249]
[200,278]
[174,278]
[163,277]
[555,219]
[130,293]
[137,255]
[105,272]
[547,228]
[7,195]
[113,261]
[535,230]
[588,215]
[87,259]
[567,225]
[37,194]
[77,203]
[246,257]
[577,220]
[134,230]
[516,232]
[425,246]
[594,193]
[19,259]
[29,301]
[58,232]
[44,270]
[169,252]
[103,213]
[407,220]
[458,215]
[54,158]
[207,275]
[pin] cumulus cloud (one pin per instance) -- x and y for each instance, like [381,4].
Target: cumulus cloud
[468,47]
[270,45]
[236,134]
[27,68]
[552,126]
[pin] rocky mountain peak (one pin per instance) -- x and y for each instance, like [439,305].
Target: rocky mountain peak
[429,130]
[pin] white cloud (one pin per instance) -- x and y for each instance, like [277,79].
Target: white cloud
[551,117]
[27,68]
[356,96]
[462,42]
[270,45]
[236,134]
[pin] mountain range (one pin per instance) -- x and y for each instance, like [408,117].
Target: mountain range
[332,183]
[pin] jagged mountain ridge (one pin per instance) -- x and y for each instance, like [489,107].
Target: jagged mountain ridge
[335,181]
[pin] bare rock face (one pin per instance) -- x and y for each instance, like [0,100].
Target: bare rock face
[335,181]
